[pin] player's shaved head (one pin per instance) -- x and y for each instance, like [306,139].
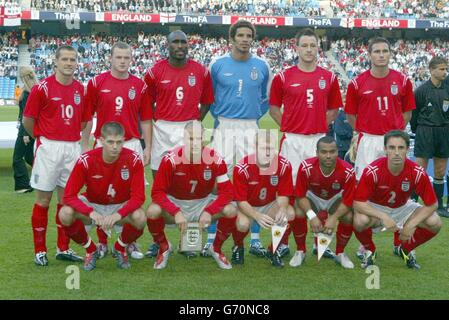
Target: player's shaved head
[325,140]
[112,128]
[177,35]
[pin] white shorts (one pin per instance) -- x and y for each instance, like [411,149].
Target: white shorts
[167,135]
[104,210]
[399,215]
[297,148]
[369,148]
[233,139]
[264,209]
[132,144]
[321,204]
[192,209]
[53,163]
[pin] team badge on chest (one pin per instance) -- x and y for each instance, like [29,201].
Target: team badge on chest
[254,74]
[394,89]
[124,173]
[77,98]
[132,93]
[405,186]
[445,105]
[207,174]
[322,84]
[274,180]
[192,80]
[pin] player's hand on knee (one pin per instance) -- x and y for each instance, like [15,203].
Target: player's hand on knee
[330,225]
[264,220]
[181,221]
[111,220]
[205,220]
[316,225]
[97,218]
[389,224]
[406,234]
[281,217]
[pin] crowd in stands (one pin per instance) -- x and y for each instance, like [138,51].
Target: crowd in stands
[307,8]
[211,7]
[9,3]
[95,51]
[410,57]
[9,54]
[391,8]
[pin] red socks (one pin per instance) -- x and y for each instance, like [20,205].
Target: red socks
[62,240]
[102,236]
[156,228]
[366,239]
[299,229]
[129,235]
[78,233]
[39,222]
[239,237]
[225,227]
[420,236]
[344,232]
[396,241]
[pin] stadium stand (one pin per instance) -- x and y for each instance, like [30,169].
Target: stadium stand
[215,7]
[8,64]
[410,57]
[391,8]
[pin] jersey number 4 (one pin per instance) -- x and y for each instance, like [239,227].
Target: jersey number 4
[111,191]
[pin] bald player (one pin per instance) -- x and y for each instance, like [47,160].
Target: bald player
[177,86]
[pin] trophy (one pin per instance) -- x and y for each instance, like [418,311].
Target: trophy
[191,238]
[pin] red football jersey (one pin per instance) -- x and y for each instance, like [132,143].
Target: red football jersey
[57,110]
[107,183]
[184,181]
[379,186]
[121,100]
[260,187]
[178,92]
[379,103]
[306,97]
[311,178]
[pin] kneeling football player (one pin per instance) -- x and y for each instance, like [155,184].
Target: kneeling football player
[114,194]
[182,193]
[263,184]
[324,183]
[382,201]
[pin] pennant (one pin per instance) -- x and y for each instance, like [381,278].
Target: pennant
[324,240]
[277,232]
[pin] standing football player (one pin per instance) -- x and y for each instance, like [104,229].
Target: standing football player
[54,115]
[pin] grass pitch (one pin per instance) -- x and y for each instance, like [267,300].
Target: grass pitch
[200,278]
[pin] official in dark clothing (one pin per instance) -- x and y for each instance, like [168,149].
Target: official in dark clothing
[430,123]
[23,149]
[343,134]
